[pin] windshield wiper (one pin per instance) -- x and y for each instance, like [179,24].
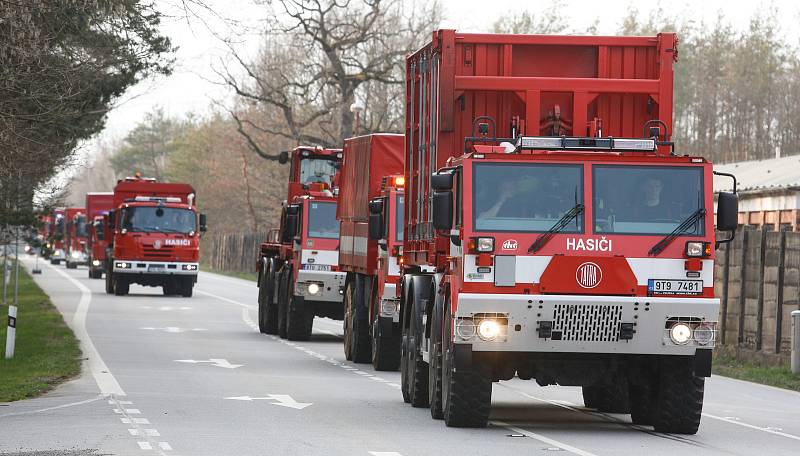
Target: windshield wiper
[682,228]
[562,223]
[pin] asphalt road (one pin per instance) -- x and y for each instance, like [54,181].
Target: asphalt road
[192,376]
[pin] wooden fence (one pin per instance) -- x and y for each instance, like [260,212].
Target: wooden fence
[231,251]
[757,279]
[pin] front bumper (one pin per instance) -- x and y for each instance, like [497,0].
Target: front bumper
[330,285]
[584,324]
[155,267]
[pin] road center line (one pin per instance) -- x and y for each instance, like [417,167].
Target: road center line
[750,426]
[222,298]
[544,439]
[102,375]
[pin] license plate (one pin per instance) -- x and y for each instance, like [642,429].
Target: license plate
[155,267]
[317,267]
[674,287]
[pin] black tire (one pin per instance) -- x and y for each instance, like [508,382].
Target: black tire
[466,394]
[357,338]
[300,319]
[435,369]
[121,286]
[679,401]
[608,399]
[109,283]
[186,286]
[414,371]
[271,304]
[266,325]
[643,401]
[385,347]
[347,321]
[283,305]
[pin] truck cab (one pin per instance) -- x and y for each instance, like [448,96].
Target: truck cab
[298,262]
[156,231]
[57,234]
[98,204]
[76,237]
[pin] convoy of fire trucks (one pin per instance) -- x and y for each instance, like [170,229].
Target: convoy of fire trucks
[535,220]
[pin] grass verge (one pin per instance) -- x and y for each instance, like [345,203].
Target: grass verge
[779,376]
[252,276]
[46,353]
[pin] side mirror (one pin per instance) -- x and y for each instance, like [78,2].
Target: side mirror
[376,228]
[283,157]
[443,210]
[442,181]
[727,211]
[203,225]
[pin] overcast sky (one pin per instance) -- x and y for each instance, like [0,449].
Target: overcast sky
[192,87]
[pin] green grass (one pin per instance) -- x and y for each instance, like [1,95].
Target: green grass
[779,376]
[252,276]
[47,352]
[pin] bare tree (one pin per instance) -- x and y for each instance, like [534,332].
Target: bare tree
[319,57]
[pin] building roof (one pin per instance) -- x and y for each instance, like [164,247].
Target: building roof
[760,175]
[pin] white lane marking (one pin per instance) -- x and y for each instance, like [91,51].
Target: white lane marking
[750,426]
[230,301]
[71,404]
[102,375]
[284,400]
[145,445]
[134,420]
[385,453]
[172,329]
[127,411]
[164,446]
[112,402]
[216,362]
[544,439]
[148,432]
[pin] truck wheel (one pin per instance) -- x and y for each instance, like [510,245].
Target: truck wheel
[356,328]
[642,404]
[679,402]
[110,282]
[121,286]
[347,323]
[435,370]
[385,347]
[267,311]
[283,306]
[186,285]
[300,318]
[608,399]
[414,371]
[466,394]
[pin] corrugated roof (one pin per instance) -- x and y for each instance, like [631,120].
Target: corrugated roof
[774,173]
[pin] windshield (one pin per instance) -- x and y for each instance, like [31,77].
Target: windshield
[525,197]
[80,226]
[398,217]
[159,219]
[317,170]
[646,199]
[322,221]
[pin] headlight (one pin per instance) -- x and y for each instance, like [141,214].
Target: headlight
[488,330]
[485,244]
[388,308]
[680,333]
[95,262]
[465,329]
[697,249]
[704,334]
[75,254]
[313,288]
[121,265]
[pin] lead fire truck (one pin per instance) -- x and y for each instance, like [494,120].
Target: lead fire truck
[298,264]
[55,240]
[154,233]
[370,240]
[572,243]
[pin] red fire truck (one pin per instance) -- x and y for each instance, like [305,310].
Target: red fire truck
[298,265]
[76,235]
[56,235]
[571,243]
[370,201]
[98,204]
[155,239]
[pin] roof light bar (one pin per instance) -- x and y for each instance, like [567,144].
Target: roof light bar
[577,143]
[165,199]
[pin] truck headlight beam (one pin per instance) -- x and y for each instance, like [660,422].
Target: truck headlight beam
[680,333]
[488,330]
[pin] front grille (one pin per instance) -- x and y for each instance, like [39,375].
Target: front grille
[587,322]
[150,252]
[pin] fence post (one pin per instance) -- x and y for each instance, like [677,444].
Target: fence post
[779,311]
